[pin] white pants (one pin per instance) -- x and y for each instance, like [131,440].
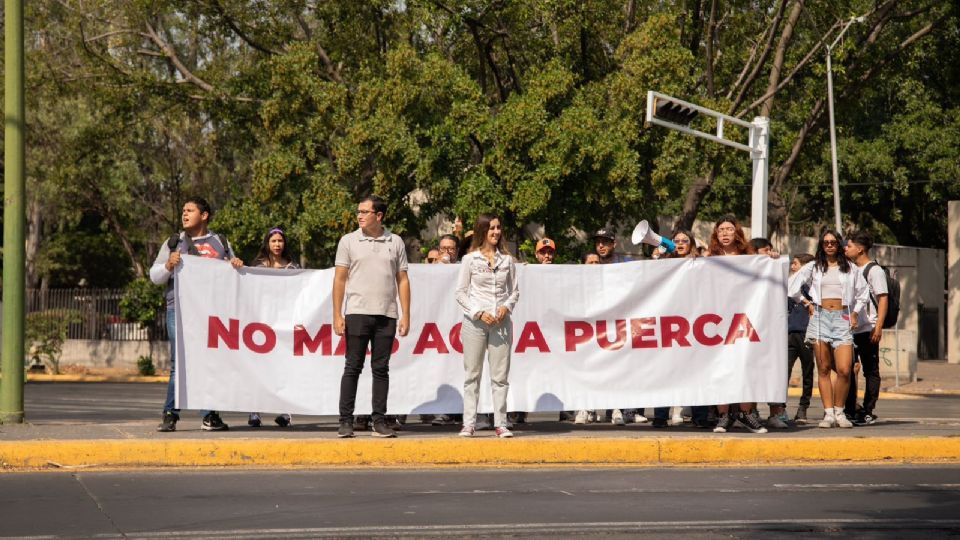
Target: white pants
[495,342]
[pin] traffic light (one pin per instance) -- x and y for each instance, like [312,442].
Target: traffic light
[672,111]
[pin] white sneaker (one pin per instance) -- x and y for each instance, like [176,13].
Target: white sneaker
[592,417]
[582,417]
[466,431]
[677,416]
[842,420]
[829,421]
[640,419]
[617,418]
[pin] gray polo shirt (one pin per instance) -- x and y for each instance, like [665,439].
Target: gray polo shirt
[373,264]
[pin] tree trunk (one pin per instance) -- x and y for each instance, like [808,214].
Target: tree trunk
[34,237]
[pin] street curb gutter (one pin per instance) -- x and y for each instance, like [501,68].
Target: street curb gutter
[759,451]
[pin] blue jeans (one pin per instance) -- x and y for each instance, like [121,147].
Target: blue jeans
[169,405]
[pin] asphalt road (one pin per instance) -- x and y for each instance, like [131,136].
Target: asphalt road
[870,502]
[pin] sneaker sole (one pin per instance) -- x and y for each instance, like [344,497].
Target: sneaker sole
[350,436]
[211,428]
[383,436]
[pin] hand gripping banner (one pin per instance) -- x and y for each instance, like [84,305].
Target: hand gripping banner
[641,334]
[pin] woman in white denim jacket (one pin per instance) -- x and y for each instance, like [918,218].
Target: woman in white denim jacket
[487,292]
[838,292]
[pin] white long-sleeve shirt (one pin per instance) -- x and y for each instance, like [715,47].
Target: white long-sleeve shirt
[855,293]
[482,287]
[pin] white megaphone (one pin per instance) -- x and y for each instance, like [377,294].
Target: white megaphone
[643,234]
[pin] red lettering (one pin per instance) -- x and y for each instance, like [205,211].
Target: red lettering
[430,338]
[532,337]
[643,328]
[740,327]
[455,338]
[395,347]
[322,340]
[269,337]
[603,339]
[699,332]
[674,329]
[577,333]
[216,331]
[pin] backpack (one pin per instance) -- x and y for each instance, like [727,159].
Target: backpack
[893,295]
[191,250]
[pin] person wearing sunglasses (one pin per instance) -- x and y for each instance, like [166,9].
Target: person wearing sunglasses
[837,293]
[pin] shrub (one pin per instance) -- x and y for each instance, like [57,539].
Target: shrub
[145,366]
[142,302]
[45,334]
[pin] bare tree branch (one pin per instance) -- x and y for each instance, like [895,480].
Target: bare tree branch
[222,12]
[171,55]
[748,82]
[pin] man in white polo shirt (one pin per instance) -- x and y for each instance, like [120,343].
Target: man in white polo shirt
[371,272]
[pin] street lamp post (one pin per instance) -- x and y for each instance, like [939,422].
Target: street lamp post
[833,130]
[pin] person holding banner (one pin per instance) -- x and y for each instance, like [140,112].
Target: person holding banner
[273,253]
[838,294]
[686,247]
[487,292]
[195,239]
[371,271]
[727,239]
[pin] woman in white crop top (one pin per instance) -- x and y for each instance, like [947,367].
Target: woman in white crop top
[838,291]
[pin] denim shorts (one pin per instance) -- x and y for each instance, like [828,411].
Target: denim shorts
[831,327]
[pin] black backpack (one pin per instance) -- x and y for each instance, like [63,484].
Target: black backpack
[893,294]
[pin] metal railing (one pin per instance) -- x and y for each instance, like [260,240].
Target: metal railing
[97,314]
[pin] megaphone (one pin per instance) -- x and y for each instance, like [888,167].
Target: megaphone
[643,234]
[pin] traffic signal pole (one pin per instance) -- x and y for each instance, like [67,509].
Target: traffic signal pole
[14,186]
[676,114]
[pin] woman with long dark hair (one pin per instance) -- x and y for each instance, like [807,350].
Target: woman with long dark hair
[487,292]
[273,253]
[837,293]
[728,239]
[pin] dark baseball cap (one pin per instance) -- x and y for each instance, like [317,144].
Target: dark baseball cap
[605,233]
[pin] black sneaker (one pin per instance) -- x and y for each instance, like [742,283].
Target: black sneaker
[865,419]
[660,422]
[254,420]
[801,416]
[169,422]
[724,423]
[751,421]
[212,422]
[361,423]
[283,420]
[380,429]
[346,430]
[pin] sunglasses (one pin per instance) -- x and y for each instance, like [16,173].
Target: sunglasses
[830,243]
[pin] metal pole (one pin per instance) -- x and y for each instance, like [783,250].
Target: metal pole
[14,184]
[760,142]
[833,145]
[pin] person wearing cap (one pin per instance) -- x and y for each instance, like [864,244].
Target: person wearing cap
[546,250]
[605,243]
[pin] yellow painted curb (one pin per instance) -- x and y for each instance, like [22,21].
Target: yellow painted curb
[471,453]
[37,377]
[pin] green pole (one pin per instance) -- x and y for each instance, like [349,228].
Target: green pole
[14,186]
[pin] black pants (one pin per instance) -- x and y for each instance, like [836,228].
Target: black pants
[377,332]
[868,354]
[796,348]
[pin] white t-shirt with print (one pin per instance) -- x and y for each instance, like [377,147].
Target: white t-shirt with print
[877,281]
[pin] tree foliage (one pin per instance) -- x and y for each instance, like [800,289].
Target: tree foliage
[285,113]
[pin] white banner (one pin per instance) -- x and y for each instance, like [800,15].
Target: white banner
[641,334]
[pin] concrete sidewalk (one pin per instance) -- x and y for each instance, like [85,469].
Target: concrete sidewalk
[312,442]
[118,429]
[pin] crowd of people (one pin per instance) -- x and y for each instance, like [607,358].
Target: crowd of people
[837,302]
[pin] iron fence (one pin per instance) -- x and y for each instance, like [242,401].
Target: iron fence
[96,314]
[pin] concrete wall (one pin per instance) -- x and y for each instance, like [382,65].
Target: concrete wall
[953,282]
[114,354]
